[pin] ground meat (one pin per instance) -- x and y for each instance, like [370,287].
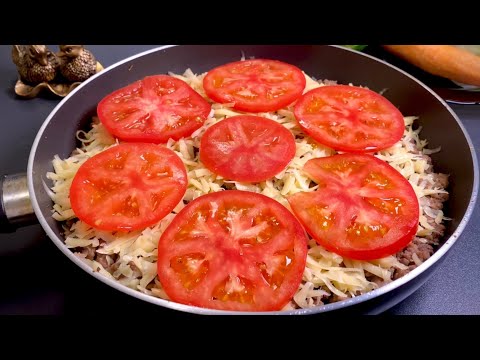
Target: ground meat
[412,148]
[317,300]
[434,201]
[438,231]
[88,252]
[113,267]
[334,298]
[102,259]
[423,251]
[440,181]
[399,273]
[428,160]
[442,197]
[424,248]
[377,280]
[134,267]
[330,82]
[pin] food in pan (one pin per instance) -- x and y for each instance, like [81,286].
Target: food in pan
[360,186]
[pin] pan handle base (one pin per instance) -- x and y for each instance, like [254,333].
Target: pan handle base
[15,206]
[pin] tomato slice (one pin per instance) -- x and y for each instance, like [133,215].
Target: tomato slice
[363,209]
[258,85]
[247,148]
[349,118]
[232,250]
[128,187]
[154,109]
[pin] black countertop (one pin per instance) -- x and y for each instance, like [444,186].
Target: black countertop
[39,279]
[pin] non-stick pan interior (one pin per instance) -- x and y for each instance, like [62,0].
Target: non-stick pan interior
[440,125]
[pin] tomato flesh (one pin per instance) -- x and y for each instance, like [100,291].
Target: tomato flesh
[349,118]
[128,187]
[363,209]
[154,109]
[247,148]
[232,250]
[258,85]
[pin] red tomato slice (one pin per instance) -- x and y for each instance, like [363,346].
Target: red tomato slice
[258,85]
[363,209]
[233,250]
[128,187]
[349,118]
[247,148]
[154,109]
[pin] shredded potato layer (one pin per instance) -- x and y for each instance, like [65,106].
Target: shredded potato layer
[130,258]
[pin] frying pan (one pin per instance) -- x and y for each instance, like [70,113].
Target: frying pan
[25,196]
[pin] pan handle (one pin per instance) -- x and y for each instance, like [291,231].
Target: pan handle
[15,205]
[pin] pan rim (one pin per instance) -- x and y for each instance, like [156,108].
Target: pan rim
[439,253]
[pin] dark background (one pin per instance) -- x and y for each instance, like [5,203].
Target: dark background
[38,279]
